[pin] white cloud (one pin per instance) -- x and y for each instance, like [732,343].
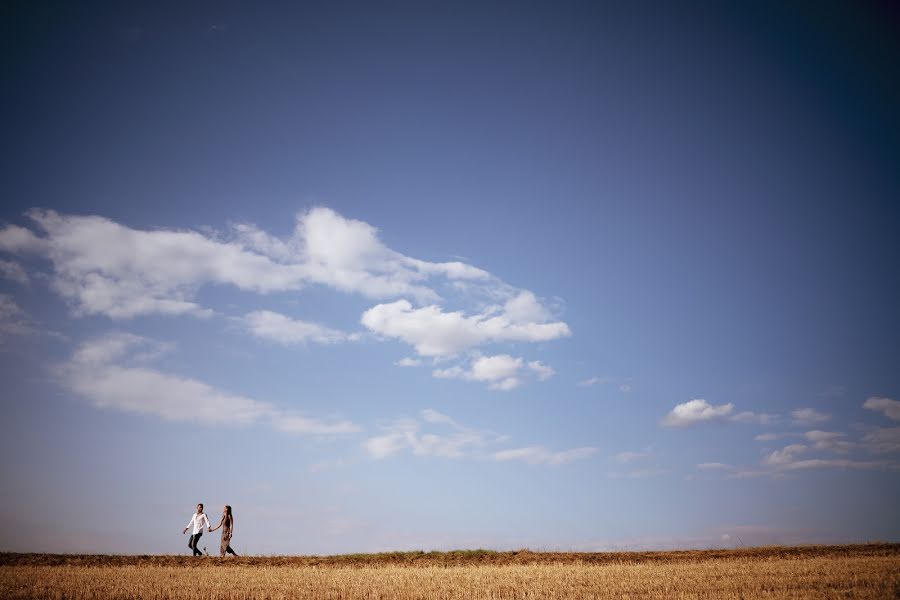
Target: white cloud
[700,411]
[809,416]
[525,308]
[347,255]
[697,411]
[886,406]
[543,371]
[495,368]
[103,267]
[829,440]
[111,372]
[713,466]
[883,440]
[284,330]
[435,332]
[501,372]
[21,241]
[13,271]
[784,456]
[408,362]
[538,455]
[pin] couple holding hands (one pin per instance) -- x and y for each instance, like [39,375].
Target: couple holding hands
[200,520]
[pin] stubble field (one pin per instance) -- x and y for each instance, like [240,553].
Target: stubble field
[859,571]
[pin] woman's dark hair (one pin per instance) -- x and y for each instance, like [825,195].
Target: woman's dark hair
[228,509]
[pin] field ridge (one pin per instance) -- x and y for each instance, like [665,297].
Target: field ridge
[462,557]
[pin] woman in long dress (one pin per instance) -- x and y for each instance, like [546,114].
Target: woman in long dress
[227,525]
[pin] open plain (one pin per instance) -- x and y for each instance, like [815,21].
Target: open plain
[855,571]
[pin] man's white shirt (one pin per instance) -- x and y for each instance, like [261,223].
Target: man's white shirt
[198,522]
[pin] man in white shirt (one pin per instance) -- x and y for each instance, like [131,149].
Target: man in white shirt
[196,524]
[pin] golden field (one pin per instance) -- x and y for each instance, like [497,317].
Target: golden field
[862,571]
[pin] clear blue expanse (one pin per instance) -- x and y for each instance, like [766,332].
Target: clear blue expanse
[390,276]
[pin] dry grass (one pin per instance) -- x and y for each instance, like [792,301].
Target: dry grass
[810,572]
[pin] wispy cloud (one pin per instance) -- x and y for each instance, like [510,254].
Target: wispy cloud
[631,456]
[279,328]
[809,416]
[888,407]
[624,386]
[818,463]
[437,434]
[713,466]
[304,425]
[539,455]
[787,459]
[784,456]
[13,271]
[11,318]
[544,372]
[8,307]
[829,440]
[14,321]
[450,440]
[595,381]
[114,372]
[883,440]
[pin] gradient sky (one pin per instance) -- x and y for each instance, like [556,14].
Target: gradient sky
[391,276]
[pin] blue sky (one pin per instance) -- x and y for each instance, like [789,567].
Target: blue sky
[407,276]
